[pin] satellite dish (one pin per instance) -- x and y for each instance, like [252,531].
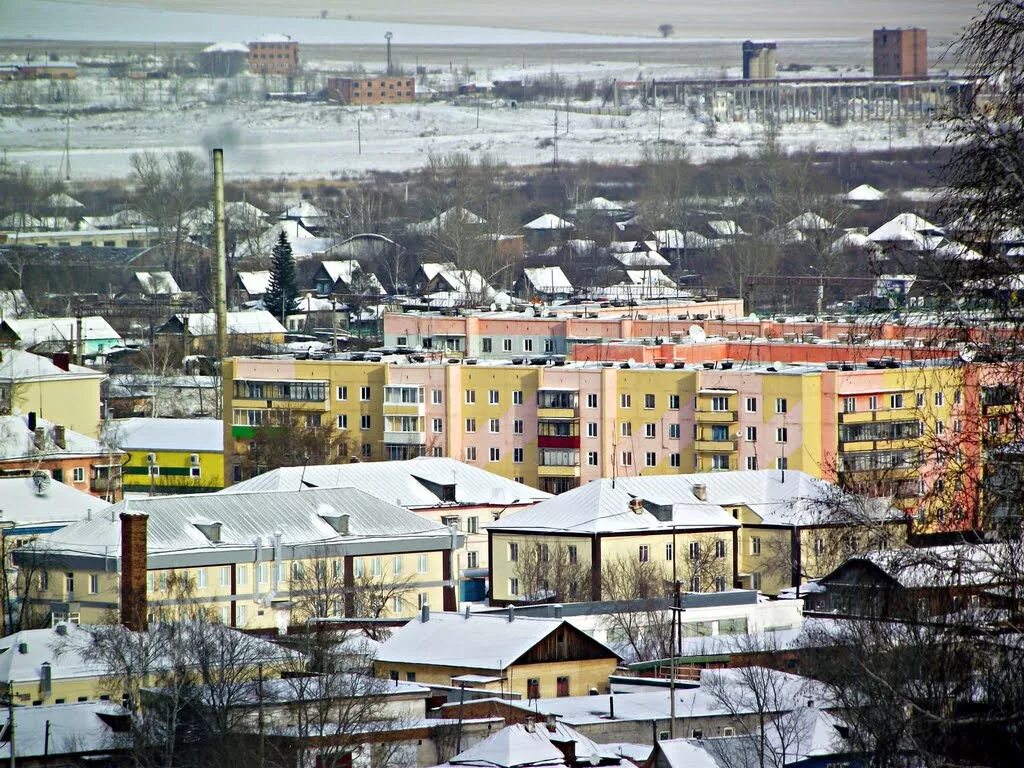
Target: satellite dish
[631,362]
[493,306]
[530,312]
[697,333]
[777,365]
[968,353]
[752,317]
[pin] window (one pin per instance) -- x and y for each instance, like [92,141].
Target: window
[437,425]
[573,554]
[506,345]
[527,345]
[543,553]
[44,581]
[436,396]
[849,404]
[751,434]
[364,422]
[472,559]
[668,552]
[517,426]
[494,426]
[472,524]
[493,397]
[486,345]
[422,561]
[225,575]
[470,396]
[470,453]
[562,686]
[650,430]
[591,429]
[695,584]
[648,401]
[719,432]
[651,459]
[755,545]
[364,394]
[94,583]
[919,400]
[513,552]
[591,400]
[674,460]
[517,397]
[873,403]
[549,345]
[752,462]
[673,431]
[342,421]
[720,549]
[940,427]
[697,733]
[819,547]
[592,458]
[513,586]
[517,455]
[755,580]
[719,403]
[645,553]
[782,435]
[720,461]
[719,583]
[262,572]
[627,458]
[782,463]
[626,429]
[625,401]
[896,400]
[376,566]
[781,405]
[939,399]
[343,393]
[751,405]
[201,578]
[366,450]
[673,402]
[694,550]
[958,397]
[396,565]
[471,425]
[495,454]
[78,474]
[532,687]
[242,575]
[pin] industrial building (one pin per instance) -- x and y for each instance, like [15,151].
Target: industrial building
[371,90]
[759,59]
[274,55]
[901,52]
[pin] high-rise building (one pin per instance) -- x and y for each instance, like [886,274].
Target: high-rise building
[759,59]
[901,52]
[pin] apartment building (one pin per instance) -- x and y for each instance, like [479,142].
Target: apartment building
[274,54]
[555,425]
[170,455]
[371,90]
[901,52]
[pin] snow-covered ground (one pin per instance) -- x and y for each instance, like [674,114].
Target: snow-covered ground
[323,140]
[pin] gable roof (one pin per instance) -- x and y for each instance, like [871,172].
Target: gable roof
[254,283]
[548,221]
[17,441]
[345,270]
[34,331]
[547,280]
[809,220]
[910,230]
[865,193]
[41,509]
[479,641]
[257,321]
[19,365]
[634,259]
[65,729]
[521,745]
[157,283]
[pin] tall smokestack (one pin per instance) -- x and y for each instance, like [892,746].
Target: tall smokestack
[134,606]
[220,298]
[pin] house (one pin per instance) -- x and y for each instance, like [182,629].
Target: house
[352,91]
[253,330]
[601,207]
[15,304]
[530,657]
[57,390]
[250,557]
[250,286]
[641,259]
[367,245]
[864,195]
[560,548]
[306,215]
[223,59]
[88,335]
[445,491]
[450,285]
[305,245]
[346,277]
[155,284]
[546,284]
[170,455]
[29,444]
[908,232]
[70,733]
[37,507]
[452,217]
[546,230]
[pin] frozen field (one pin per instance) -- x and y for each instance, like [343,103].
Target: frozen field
[322,141]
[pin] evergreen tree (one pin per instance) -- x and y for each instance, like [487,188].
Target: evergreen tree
[281,298]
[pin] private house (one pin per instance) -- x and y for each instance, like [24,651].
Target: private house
[89,335]
[346,277]
[250,287]
[450,218]
[55,390]
[547,230]
[560,549]
[91,732]
[34,506]
[445,491]
[306,215]
[170,455]
[546,284]
[249,558]
[528,657]
[197,333]
[30,445]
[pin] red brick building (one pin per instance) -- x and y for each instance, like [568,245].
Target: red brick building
[372,90]
[274,55]
[901,52]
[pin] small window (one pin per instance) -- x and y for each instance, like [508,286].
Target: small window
[471,425]
[94,583]
[364,422]
[752,462]
[78,474]
[625,401]
[751,434]
[896,401]
[573,554]
[495,454]
[527,345]
[470,396]
[673,431]
[751,405]
[364,394]
[513,552]
[517,426]
[782,463]
[493,397]
[506,345]
[627,458]
[873,403]
[694,550]
[781,405]
[919,399]
[494,426]
[470,453]
[668,551]
[755,545]
[437,425]
[648,401]
[720,549]
[674,460]
[719,403]
[517,397]
[486,346]
[782,435]
[644,553]
[626,429]
[591,400]
[343,393]
[673,402]
[436,396]
[849,404]
[650,430]
[651,459]
[592,458]
[513,586]
[591,429]
[342,421]
[939,399]
[517,455]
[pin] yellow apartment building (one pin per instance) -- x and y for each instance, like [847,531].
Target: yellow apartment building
[170,455]
[251,560]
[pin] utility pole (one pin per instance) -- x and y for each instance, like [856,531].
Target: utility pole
[10,719]
[554,159]
[220,238]
[359,134]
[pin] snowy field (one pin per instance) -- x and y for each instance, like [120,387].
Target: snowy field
[322,141]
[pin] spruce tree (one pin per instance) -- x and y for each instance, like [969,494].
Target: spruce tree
[281,298]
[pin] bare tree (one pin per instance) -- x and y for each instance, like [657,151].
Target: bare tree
[551,572]
[294,439]
[169,190]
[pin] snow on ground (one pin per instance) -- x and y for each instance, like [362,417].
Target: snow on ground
[270,139]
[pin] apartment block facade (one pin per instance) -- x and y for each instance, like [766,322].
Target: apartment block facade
[371,90]
[901,52]
[274,55]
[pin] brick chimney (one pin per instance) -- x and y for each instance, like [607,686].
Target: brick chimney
[133,570]
[60,436]
[62,360]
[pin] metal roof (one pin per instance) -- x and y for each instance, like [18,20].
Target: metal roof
[150,434]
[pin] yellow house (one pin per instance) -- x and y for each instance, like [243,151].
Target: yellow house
[253,560]
[69,396]
[531,657]
[606,540]
[170,455]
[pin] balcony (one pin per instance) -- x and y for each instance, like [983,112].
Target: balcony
[997,409]
[557,413]
[716,417]
[558,441]
[403,400]
[715,446]
[888,414]
[403,409]
[557,471]
[405,438]
[558,403]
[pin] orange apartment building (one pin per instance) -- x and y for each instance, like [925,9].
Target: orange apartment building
[901,52]
[371,90]
[274,55]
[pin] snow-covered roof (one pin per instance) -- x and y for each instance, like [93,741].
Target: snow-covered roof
[600,204]
[254,283]
[226,48]
[273,37]
[19,365]
[415,483]
[62,200]
[303,242]
[17,441]
[809,220]
[603,506]
[548,221]
[726,228]
[518,746]
[146,434]
[910,230]
[581,247]
[45,506]
[455,215]
[463,281]
[925,567]
[257,321]
[344,271]
[648,277]
[14,304]
[865,193]
[634,259]
[34,331]
[63,729]
[157,283]
[851,241]
[486,641]
[305,210]
[955,252]
[547,280]
[21,220]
